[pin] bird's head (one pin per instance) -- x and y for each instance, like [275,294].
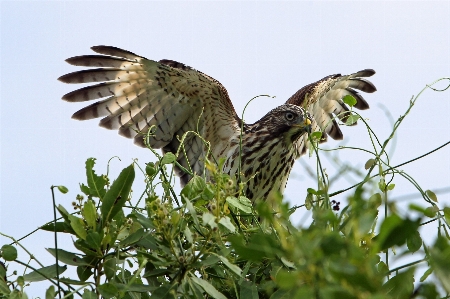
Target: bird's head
[289,121]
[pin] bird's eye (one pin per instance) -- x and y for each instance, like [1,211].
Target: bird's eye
[289,116]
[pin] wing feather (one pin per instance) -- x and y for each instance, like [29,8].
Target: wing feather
[100,61]
[114,51]
[101,75]
[136,94]
[323,100]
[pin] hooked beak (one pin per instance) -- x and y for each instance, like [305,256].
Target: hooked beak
[305,124]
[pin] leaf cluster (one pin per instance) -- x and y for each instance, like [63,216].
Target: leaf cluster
[216,245]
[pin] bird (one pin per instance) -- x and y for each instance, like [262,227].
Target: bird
[190,114]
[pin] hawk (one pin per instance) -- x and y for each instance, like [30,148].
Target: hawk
[137,94]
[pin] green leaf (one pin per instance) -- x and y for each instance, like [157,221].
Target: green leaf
[369,163]
[226,222]
[431,195]
[62,189]
[447,214]
[90,214]
[84,272]
[48,272]
[352,119]
[194,187]
[4,289]
[391,186]
[382,185]
[375,200]
[239,204]
[68,258]
[208,193]
[210,260]
[195,289]
[95,183]
[382,268]
[440,261]
[191,210]
[16,294]
[414,241]
[395,231]
[63,212]
[309,201]
[133,238]
[148,242]
[209,288]
[8,252]
[73,281]
[248,290]
[144,221]
[366,221]
[286,294]
[88,294]
[230,266]
[349,100]
[286,279]
[82,245]
[136,287]
[317,135]
[150,169]
[117,195]
[431,211]
[50,293]
[60,227]
[305,292]
[165,291]
[259,246]
[311,191]
[85,189]
[427,290]
[188,235]
[426,274]
[420,209]
[245,201]
[108,290]
[287,263]
[110,267]
[335,292]
[77,225]
[156,273]
[401,285]
[20,281]
[168,158]
[94,239]
[2,272]
[209,219]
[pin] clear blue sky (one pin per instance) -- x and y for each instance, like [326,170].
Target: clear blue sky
[253,48]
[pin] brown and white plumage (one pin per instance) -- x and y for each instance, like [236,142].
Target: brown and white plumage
[136,93]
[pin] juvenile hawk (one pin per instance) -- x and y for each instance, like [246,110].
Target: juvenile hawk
[137,93]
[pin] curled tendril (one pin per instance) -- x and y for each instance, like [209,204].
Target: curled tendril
[439,90]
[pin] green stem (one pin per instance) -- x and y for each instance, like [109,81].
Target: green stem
[56,242]
[406,266]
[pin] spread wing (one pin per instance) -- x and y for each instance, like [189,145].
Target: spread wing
[323,100]
[137,93]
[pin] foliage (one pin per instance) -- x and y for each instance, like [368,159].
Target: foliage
[209,241]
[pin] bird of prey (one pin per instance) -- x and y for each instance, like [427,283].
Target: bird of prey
[137,94]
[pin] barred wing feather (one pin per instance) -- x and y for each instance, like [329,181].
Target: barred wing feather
[136,94]
[323,100]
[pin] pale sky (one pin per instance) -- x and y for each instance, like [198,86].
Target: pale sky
[252,48]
